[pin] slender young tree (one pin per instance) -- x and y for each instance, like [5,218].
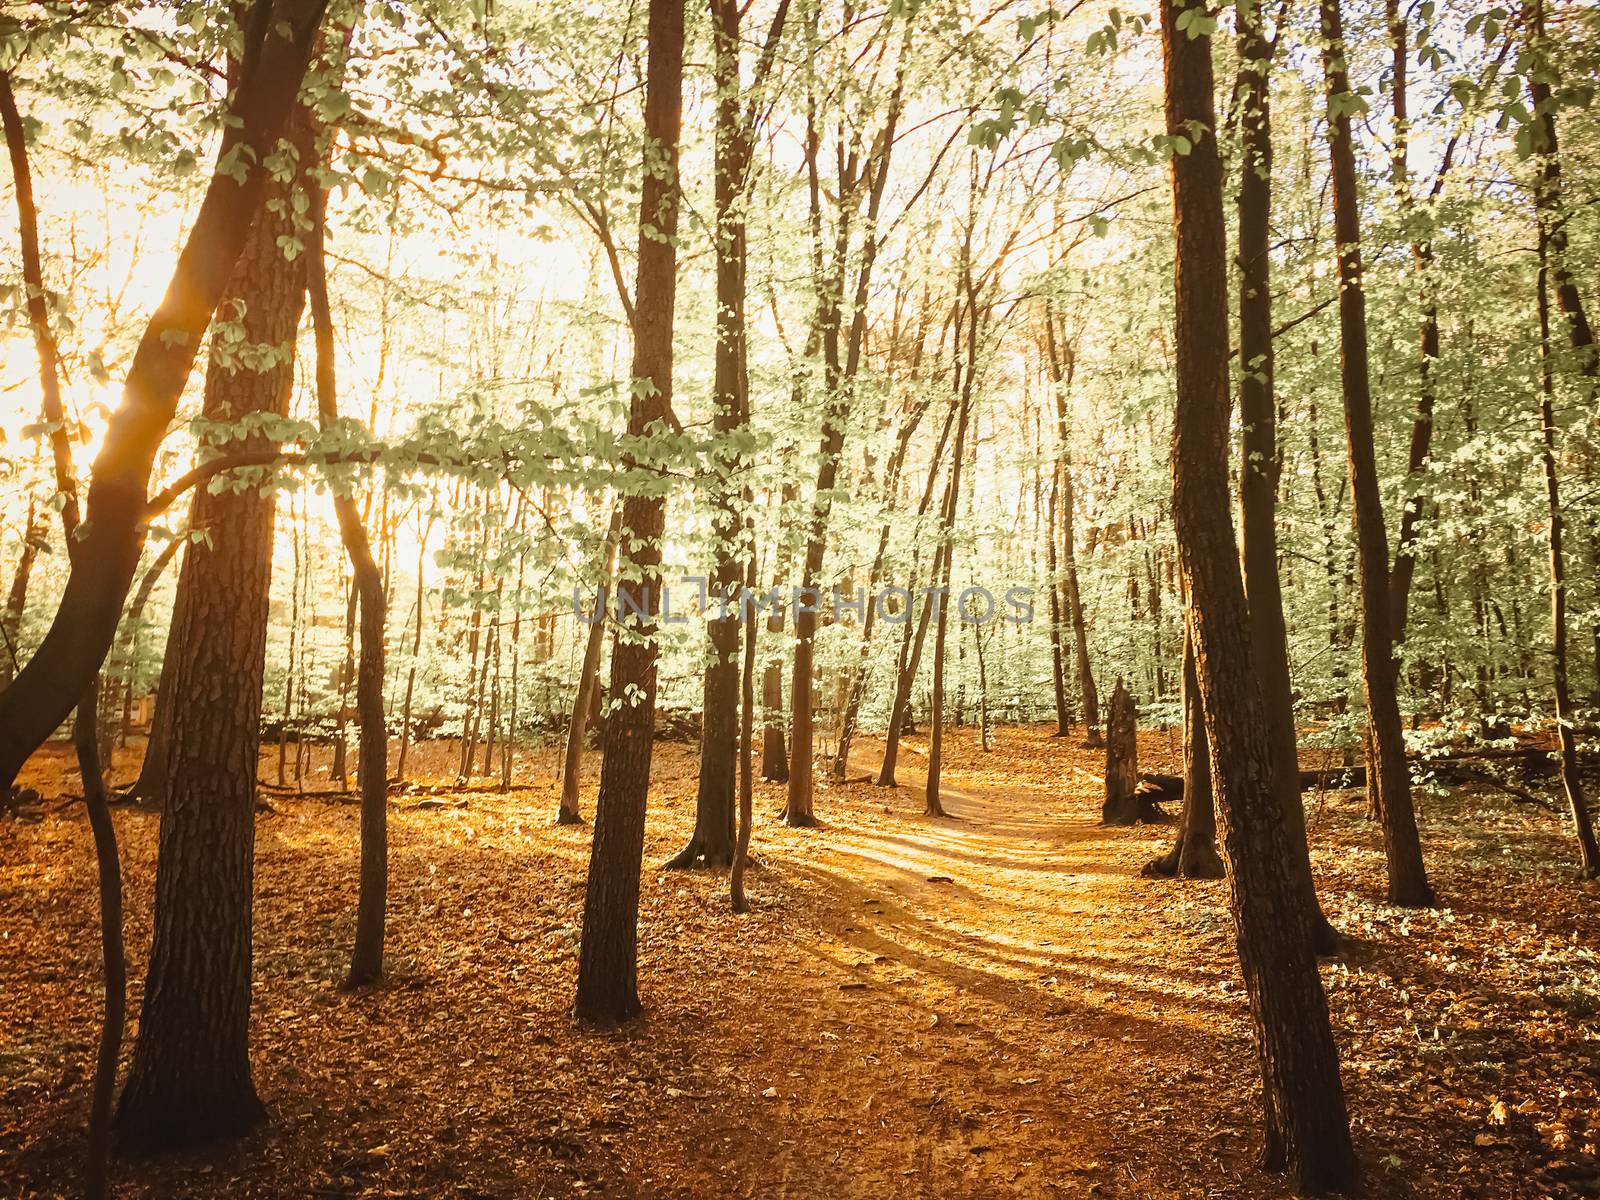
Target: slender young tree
[366,956]
[1388,776]
[567,811]
[608,983]
[1307,1128]
[86,723]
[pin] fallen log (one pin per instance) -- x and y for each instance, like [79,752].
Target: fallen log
[1456,768]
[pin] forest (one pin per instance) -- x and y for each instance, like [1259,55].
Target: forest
[799,598]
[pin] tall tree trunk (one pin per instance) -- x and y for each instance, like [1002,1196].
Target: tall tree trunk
[1307,1128]
[190,1077]
[1566,738]
[608,986]
[947,532]
[86,723]
[711,843]
[1259,457]
[366,956]
[416,653]
[277,48]
[1405,552]
[1061,378]
[1058,675]
[1389,778]
[840,365]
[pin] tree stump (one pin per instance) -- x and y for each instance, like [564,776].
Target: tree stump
[1122,760]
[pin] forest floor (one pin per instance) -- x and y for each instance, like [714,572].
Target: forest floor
[991,1005]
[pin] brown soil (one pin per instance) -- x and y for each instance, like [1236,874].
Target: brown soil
[991,1005]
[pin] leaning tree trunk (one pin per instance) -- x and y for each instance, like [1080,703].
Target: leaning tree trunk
[278,46]
[33,538]
[608,985]
[190,1078]
[1387,770]
[1258,465]
[1307,1127]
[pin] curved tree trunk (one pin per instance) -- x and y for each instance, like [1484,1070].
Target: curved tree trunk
[366,956]
[85,729]
[277,49]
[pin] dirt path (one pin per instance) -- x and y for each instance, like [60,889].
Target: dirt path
[990,1005]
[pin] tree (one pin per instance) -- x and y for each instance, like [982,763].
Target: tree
[1307,1128]
[1389,778]
[366,956]
[608,986]
[1259,468]
[712,842]
[190,1079]
[278,35]
[86,723]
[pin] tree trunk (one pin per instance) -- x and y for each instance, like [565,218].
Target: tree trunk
[1307,1128]
[190,1077]
[366,957]
[1566,739]
[1259,457]
[33,537]
[608,985]
[711,843]
[1194,851]
[86,731]
[1061,377]
[278,45]
[1408,878]
[1058,675]
[568,812]
[1121,805]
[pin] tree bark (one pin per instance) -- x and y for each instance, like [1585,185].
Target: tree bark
[608,987]
[1408,877]
[1307,1128]
[1259,456]
[1566,739]
[190,1078]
